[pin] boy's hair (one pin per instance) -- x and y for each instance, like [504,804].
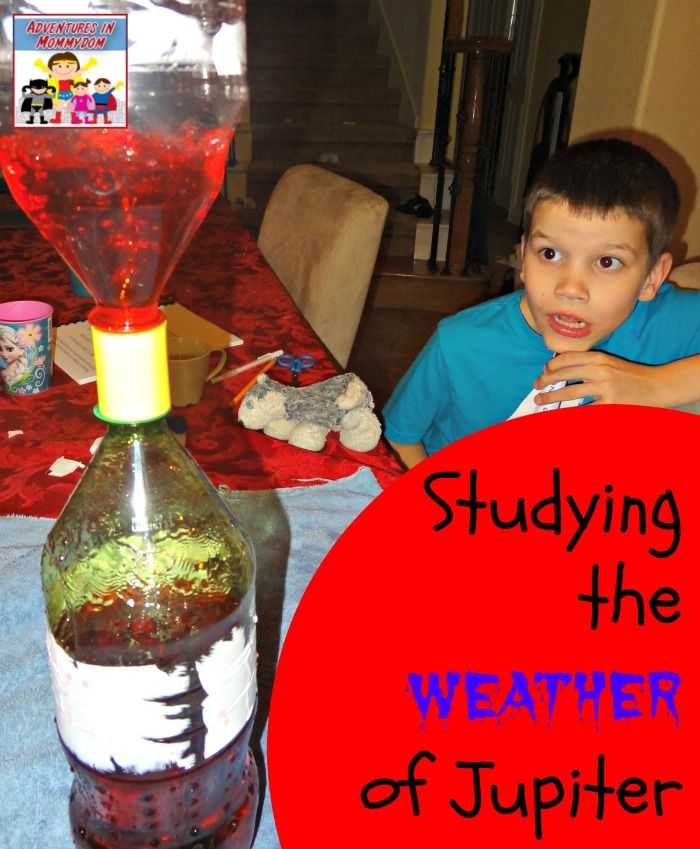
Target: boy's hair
[605,175]
[102,80]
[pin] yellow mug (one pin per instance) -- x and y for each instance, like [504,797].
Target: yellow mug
[188,368]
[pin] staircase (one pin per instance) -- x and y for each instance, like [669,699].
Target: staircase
[319,93]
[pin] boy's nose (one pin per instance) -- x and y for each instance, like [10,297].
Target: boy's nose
[573,286]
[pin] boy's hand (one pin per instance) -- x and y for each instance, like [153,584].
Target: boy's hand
[611,380]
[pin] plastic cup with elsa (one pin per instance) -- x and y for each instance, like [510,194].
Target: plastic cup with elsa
[25,346]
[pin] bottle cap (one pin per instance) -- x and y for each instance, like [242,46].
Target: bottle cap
[132,374]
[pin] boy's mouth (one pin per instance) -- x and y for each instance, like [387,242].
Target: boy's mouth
[568,325]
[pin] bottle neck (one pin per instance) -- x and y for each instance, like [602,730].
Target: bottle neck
[132,374]
[134,432]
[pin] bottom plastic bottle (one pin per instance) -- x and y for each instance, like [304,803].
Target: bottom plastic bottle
[210,807]
[149,585]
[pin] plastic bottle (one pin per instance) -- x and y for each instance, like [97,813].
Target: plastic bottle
[149,586]
[149,583]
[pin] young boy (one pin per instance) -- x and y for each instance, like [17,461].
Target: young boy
[593,324]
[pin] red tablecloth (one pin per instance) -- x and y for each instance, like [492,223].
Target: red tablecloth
[222,277]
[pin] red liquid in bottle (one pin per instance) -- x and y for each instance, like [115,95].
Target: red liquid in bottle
[119,205]
[210,807]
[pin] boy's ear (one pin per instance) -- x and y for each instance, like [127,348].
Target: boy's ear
[656,276]
[523,242]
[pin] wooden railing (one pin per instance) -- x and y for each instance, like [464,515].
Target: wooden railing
[482,87]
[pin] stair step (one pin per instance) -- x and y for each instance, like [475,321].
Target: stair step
[364,3]
[325,105]
[346,132]
[424,237]
[400,283]
[399,236]
[309,36]
[304,24]
[346,142]
[428,184]
[330,75]
[326,113]
[325,94]
[392,181]
[319,91]
[393,173]
[298,58]
[395,181]
[260,11]
[315,151]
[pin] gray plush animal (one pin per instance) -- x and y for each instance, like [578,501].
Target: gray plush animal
[305,416]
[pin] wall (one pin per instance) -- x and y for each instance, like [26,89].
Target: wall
[557,28]
[433,55]
[411,36]
[639,78]
[562,30]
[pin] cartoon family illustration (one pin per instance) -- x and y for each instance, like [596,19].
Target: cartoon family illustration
[22,364]
[67,90]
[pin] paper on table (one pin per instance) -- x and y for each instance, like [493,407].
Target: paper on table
[183,322]
[74,353]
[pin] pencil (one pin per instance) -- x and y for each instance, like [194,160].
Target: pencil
[252,383]
[256,362]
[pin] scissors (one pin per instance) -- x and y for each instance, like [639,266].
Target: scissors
[296,364]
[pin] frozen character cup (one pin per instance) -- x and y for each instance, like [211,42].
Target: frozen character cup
[25,346]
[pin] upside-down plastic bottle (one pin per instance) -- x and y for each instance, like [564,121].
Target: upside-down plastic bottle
[148,580]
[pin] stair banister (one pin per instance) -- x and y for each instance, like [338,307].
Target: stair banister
[454,15]
[478,56]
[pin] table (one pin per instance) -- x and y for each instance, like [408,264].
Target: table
[223,277]
[293,503]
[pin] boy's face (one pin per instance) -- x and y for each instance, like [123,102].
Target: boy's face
[583,274]
[102,87]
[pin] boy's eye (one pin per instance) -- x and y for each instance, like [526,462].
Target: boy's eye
[550,254]
[609,262]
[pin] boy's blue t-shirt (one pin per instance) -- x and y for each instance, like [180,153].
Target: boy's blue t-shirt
[480,363]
